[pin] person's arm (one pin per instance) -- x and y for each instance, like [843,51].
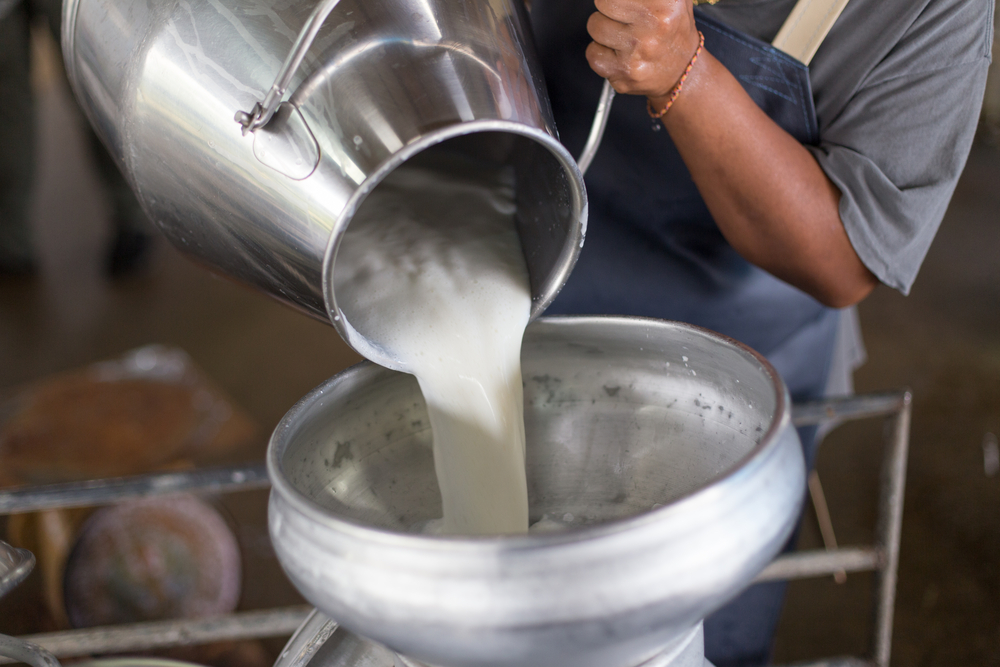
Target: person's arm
[770,198]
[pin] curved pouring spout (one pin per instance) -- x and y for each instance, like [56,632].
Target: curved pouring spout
[374,84]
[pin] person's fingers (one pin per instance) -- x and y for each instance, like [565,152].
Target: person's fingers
[604,61]
[623,11]
[608,32]
[641,46]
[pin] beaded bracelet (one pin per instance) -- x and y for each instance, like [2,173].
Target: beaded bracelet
[680,83]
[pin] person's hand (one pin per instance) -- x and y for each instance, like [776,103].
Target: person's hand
[642,46]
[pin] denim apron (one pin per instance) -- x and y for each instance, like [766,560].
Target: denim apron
[653,249]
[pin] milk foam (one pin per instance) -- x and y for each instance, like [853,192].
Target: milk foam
[431,269]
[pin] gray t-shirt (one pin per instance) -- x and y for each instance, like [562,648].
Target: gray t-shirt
[898,86]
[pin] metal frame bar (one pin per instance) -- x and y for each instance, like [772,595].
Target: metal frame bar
[822,511]
[105,491]
[135,637]
[882,557]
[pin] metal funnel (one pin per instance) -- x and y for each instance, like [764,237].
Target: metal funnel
[667,449]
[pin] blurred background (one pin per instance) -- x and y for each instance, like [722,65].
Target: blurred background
[251,359]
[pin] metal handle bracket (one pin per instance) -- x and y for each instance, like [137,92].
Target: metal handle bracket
[263,111]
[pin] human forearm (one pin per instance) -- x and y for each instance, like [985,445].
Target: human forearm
[769,196]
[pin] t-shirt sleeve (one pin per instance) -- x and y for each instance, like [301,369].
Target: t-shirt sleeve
[900,143]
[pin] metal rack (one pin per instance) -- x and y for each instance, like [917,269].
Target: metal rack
[882,557]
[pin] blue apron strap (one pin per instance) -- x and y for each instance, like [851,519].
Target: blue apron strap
[776,81]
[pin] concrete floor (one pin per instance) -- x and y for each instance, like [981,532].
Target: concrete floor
[943,341]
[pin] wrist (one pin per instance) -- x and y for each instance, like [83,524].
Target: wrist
[700,95]
[658,101]
[659,105]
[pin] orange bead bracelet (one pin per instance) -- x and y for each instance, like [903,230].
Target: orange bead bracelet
[680,82]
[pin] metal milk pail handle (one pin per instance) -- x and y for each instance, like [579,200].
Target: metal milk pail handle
[263,111]
[597,129]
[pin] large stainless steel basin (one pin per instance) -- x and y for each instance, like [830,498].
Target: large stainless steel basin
[667,448]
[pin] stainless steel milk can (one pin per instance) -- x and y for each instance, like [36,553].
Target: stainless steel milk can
[251,130]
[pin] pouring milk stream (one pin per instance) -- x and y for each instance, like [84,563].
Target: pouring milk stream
[433,272]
